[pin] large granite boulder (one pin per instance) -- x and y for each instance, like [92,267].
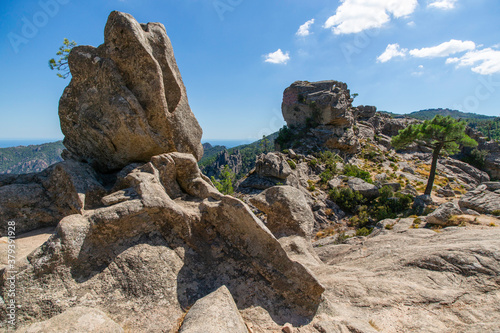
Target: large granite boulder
[126,101]
[270,170]
[40,200]
[325,108]
[324,102]
[366,189]
[287,209]
[441,216]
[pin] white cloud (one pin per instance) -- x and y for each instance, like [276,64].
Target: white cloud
[392,50]
[304,28]
[484,62]
[278,57]
[411,24]
[354,16]
[443,4]
[444,49]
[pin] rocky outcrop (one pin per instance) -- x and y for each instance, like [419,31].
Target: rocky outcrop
[41,200]
[492,159]
[463,171]
[484,199]
[215,313]
[384,124]
[233,161]
[324,102]
[126,101]
[325,108]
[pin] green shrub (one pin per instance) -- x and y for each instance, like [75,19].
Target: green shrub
[347,199]
[311,186]
[496,212]
[225,183]
[476,158]
[292,164]
[353,171]
[364,231]
[326,176]
[313,163]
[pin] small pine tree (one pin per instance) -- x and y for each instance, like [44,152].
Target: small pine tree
[265,144]
[440,133]
[61,64]
[225,184]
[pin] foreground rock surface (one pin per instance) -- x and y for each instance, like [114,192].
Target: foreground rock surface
[166,238]
[126,101]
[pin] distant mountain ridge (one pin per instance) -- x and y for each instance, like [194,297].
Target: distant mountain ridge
[488,125]
[431,113]
[28,159]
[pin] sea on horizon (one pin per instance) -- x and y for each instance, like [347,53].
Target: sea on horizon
[7,143]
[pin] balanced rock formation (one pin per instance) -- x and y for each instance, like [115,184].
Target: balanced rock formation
[126,101]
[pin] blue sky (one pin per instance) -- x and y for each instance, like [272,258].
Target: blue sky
[237,56]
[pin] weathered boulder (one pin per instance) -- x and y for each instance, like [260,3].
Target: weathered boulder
[270,169]
[365,189]
[441,216]
[76,320]
[484,199]
[272,165]
[421,202]
[288,212]
[126,101]
[446,191]
[41,200]
[386,125]
[215,313]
